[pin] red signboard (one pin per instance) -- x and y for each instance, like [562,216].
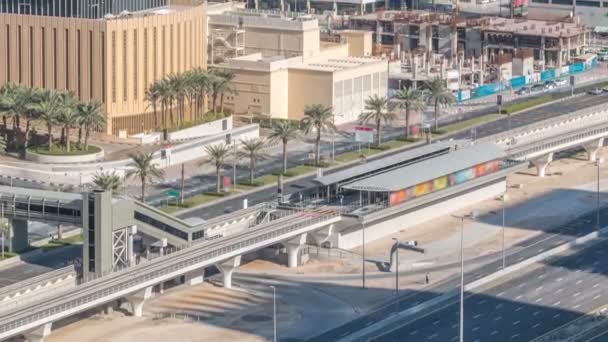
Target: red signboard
[518,3]
[364,128]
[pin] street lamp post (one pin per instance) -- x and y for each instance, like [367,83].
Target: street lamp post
[597,209]
[361,219]
[504,199]
[234,166]
[462,218]
[398,243]
[274,311]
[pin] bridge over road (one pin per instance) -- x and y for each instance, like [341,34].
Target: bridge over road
[135,283]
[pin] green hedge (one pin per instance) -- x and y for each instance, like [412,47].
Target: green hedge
[57,150]
[208,117]
[267,122]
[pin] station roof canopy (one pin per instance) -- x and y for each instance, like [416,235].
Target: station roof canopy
[6,191]
[377,165]
[424,171]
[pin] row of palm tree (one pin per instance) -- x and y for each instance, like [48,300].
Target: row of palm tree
[52,109]
[317,119]
[173,93]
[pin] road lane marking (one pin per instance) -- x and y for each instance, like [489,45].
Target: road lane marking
[414,332]
[596,297]
[518,297]
[498,318]
[559,290]
[596,285]
[539,288]
[536,325]
[481,302]
[559,279]
[577,306]
[536,313]
[577,294]
[519,308]
[432,336]
[514,336]
[538,300]
[556,315]
[516,322]
[579,281]
[475,329]
[477,316]
[494,333]
[500,294]
[557,303]
[436,322]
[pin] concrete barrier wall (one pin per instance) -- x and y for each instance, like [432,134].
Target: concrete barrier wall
[374,231]
[206,129]
[48,159]
[37,292]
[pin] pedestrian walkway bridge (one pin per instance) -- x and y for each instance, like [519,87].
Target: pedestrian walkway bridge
[136,282]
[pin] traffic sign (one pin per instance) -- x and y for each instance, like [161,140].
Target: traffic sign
[172,193]
[364,134]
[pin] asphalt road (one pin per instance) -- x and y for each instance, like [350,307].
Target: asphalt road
[490,128]
[520,307]
[524,250]
[43,263]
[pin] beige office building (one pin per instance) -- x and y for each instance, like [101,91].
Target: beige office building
[280,80]
[110,55]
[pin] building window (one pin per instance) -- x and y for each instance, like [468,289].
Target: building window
[562,2]
[8,55]
[171,40]
[31,56]
[43,56]
[179,47]
[19,55]
[135,60]
[67,59]
[588,3]
[78,58]
[164,51]
[113,66]
[55,61]
[145,57]
[124,65]
[541,1]
[103,67]
[91,73]
[154,51]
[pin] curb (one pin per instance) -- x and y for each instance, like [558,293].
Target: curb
[361,334]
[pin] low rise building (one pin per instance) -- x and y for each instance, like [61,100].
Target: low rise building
[335,74]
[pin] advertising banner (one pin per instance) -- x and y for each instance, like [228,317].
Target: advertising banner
[423,188]
[465,175]
[440,183]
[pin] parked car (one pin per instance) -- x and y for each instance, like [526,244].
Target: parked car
[605,89]
[550,85]
[596,91]
[522,91]
[538,87]
[561,82]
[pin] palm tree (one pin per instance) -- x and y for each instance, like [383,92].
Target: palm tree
[252,148]
[438,95]
[284,131]
[144,169]
[68,116]
[377,111]
[152,96]
[318,118]
[90,117]
[107,181]
[34,96]
[411,100]
[223,85]
[216,155]
[48,111]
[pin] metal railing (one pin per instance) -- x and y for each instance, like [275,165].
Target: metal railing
[37,280]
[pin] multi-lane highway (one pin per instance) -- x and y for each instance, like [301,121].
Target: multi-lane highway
[522,306]
[523,250]
[495,127]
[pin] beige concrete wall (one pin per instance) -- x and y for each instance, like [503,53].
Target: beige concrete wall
[279,94]
[111,61]
[253,88]
[359,42]
[308,87]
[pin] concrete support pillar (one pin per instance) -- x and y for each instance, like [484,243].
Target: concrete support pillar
[308,10]
[592,148]
[38,334]
[17,240]
[541,163]
[137,300]
[227,267]
[195,277]
[293,247]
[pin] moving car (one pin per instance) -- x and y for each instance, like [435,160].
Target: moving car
[522,91]
[550,85]
[596,91]
[538,87]
[561,82]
